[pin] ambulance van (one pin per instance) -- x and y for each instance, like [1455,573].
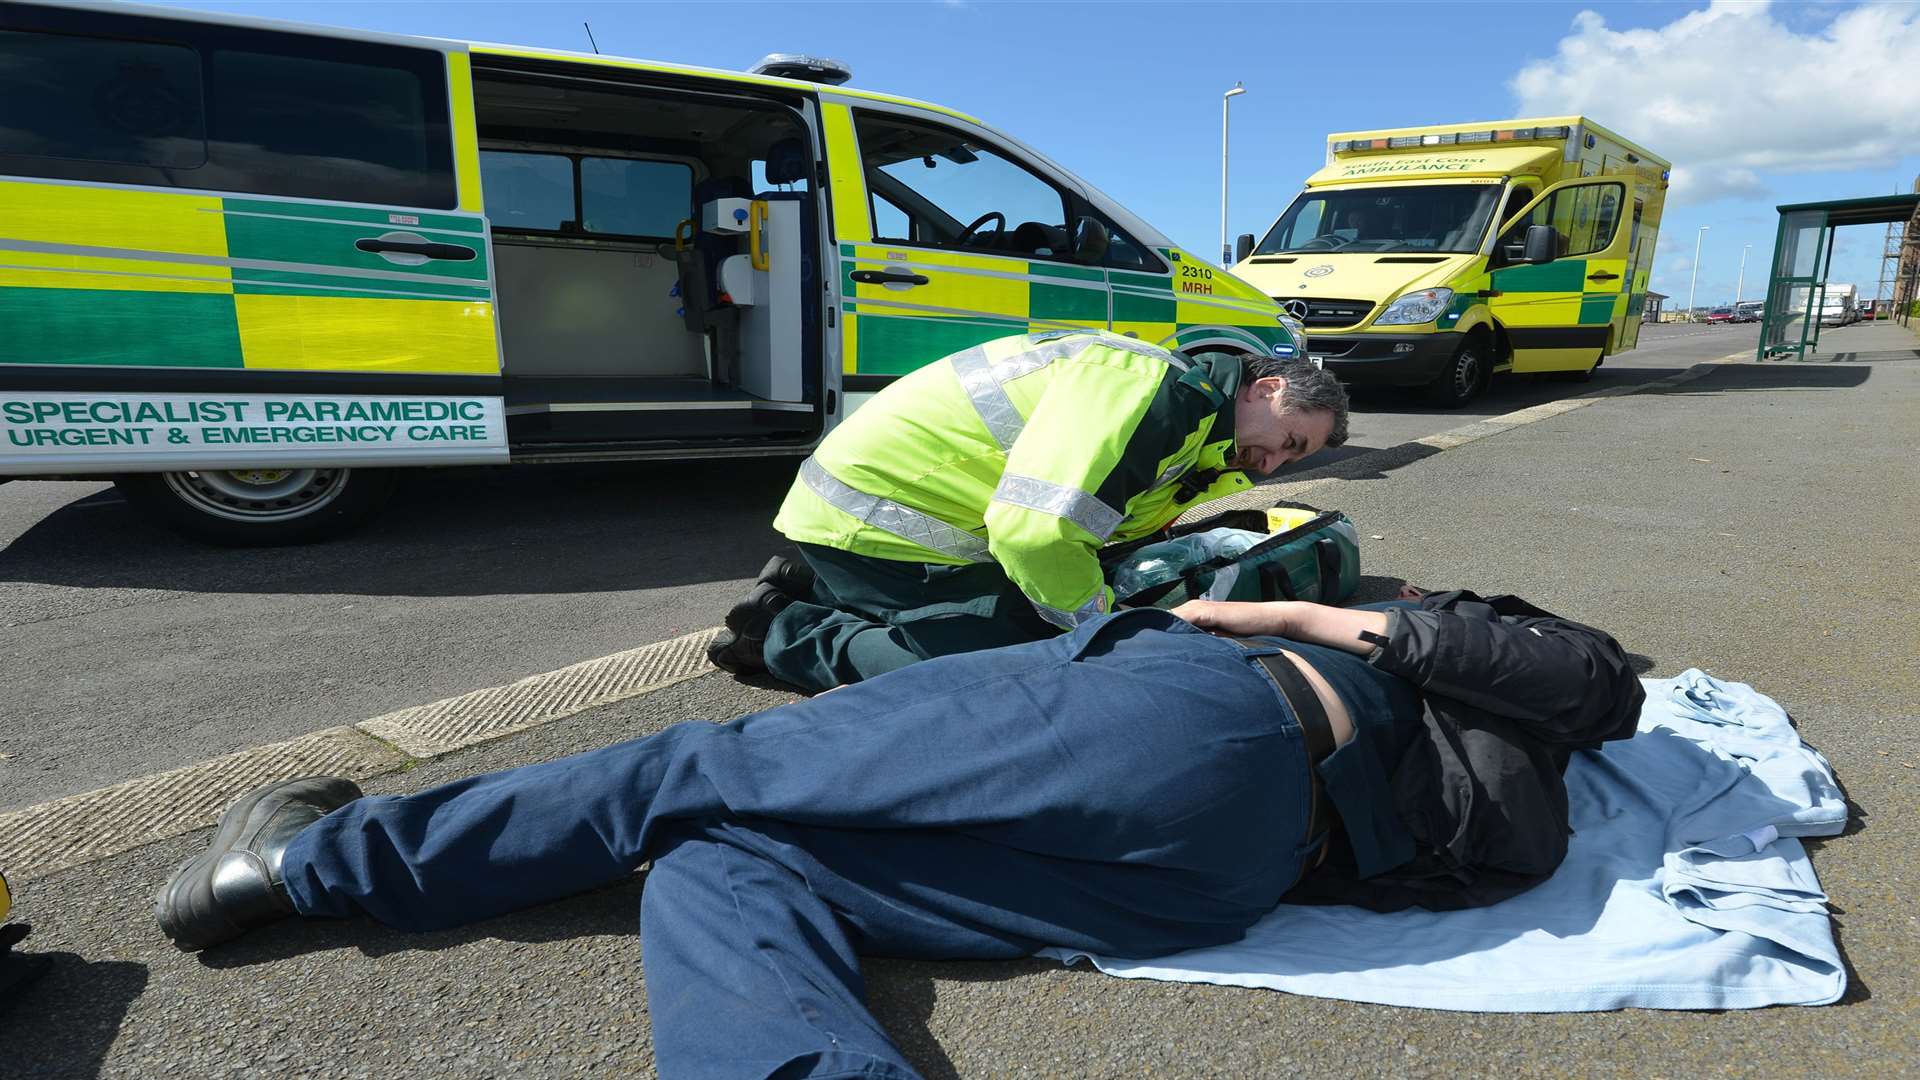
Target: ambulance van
[1434,257]
[249,268]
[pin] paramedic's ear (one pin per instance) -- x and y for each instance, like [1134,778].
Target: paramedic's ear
[1269,387]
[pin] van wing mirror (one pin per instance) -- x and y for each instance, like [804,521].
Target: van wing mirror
[1242,247]
[1090,240]
[1542,245]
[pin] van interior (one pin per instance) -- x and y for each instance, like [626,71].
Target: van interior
[656,263]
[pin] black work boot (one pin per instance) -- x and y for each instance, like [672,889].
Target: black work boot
[742,647]
[790,576]
[235,885]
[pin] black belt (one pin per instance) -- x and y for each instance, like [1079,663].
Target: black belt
[1317,732]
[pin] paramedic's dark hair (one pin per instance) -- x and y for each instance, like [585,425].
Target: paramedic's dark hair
[1309,389]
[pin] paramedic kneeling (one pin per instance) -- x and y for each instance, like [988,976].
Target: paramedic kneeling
[964,506]
[1134,788]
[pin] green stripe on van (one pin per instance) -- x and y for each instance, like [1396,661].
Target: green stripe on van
[1071,273]
[370,216]
[314,243]
[261,288]
[285,282]
[1160,282]
[1596,310]
[115,326]
[1564,276]
[1046,301]
[896,345]
[1247,336]
[1133,307]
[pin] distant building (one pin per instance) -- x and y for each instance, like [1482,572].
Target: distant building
[1653,309]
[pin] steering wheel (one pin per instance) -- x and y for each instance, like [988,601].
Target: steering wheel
[1328,242]
[999,230]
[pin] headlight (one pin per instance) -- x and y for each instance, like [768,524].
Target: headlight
[1416,307]
[1299,331]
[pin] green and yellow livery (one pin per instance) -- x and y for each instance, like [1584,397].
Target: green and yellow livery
[247,268]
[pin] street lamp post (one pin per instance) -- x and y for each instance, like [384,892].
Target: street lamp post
[1696,269]
[1742,282]
[1226,253]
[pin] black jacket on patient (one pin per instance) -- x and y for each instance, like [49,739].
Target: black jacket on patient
[1509,692]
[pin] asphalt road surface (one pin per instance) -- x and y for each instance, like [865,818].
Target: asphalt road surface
[1756,522]
[130,650]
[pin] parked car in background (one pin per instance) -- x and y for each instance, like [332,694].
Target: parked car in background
[1836,304]
[1720,315]
[1751,311]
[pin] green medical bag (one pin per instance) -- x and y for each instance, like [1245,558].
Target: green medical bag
[1315,559]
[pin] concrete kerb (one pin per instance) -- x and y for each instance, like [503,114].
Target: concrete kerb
[81,828]
[63,833]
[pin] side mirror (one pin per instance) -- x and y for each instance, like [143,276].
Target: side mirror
[1541,245]
[1090,240]
[1242,247]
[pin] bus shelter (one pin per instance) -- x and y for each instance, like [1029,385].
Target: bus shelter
[1802,259]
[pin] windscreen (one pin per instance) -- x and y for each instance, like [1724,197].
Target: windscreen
[1415,218]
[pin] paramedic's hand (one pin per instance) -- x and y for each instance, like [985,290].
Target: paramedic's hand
[1238,619]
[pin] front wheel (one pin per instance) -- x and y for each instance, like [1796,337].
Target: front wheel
[1464,377]
[260,507]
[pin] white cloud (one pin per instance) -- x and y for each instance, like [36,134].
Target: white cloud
[1731,93]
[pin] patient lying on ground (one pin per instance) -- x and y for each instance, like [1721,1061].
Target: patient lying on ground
[1150,782]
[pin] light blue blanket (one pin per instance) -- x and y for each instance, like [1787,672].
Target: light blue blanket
[1683,888]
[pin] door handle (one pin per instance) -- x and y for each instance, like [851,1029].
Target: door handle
[1604,275]
[888,277]
[412,249]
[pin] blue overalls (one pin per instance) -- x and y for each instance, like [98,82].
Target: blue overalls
[1133,788]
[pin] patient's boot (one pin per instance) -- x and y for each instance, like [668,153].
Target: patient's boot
[235,885]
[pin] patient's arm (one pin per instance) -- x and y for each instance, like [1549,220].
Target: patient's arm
[1338,628]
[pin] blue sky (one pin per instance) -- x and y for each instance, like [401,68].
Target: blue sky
[1755,104]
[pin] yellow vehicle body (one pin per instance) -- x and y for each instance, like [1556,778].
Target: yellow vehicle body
[1403,255]
[143,278]
[252,256]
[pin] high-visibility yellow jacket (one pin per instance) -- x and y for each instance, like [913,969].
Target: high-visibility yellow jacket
[1031,451]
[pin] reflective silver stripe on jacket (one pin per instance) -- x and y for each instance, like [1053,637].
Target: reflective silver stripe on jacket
[1084,510]
[1067,620]
[990,400]
[889,516]
[985,381]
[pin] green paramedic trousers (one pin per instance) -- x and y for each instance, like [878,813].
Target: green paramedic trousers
[868,616]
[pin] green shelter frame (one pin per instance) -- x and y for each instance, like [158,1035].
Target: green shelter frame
[1802,259]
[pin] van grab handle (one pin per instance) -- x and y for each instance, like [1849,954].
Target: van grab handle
[888,277]
[421,248]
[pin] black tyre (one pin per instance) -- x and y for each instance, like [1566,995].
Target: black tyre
[260,507]
[1464,377]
